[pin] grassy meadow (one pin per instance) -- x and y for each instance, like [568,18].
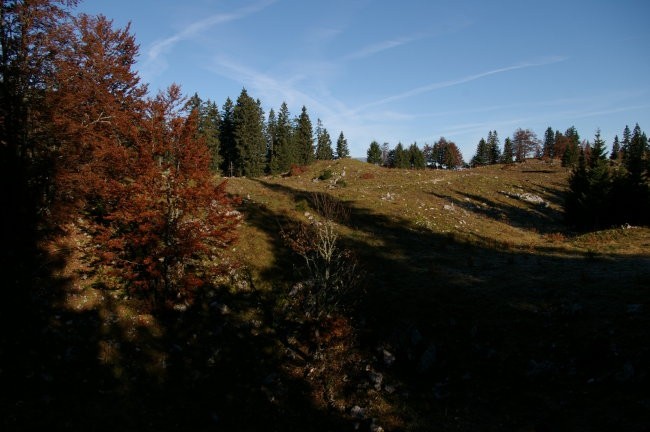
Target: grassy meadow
[476,309]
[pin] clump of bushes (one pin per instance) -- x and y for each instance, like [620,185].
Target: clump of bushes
[296,170]
[325,175]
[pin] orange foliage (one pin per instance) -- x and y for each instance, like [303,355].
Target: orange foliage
[137,167]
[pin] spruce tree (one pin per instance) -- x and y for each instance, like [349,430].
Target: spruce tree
[493,149]
[374,153]
[625,143]
[271,125]
[304,139]
[635,155]
[401,157]
[508,152]
[342,150]
[575,205]
[549,143]
[416,157]
[250,144]
[481,157]
[324,143]
[227,135]
[284,155]
[210,124]
[616,149]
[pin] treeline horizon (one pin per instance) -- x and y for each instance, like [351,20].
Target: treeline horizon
[244,142]
[523,144]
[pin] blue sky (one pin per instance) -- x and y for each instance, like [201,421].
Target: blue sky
[406,71]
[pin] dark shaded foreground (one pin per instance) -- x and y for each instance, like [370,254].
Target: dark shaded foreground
[484,336]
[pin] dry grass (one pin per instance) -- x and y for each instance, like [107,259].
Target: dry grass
[496,316]
[480,263]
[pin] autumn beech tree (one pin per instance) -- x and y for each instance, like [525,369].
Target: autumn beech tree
[171,222]
[97,106]
[138,169]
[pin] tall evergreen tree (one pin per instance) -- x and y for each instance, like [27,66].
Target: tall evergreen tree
[342,150]
[304,138]
[249,137]
[416,157]
[549,143]
[570,143]
[324,143]
[575,206]
[481,157]
[634,157]
[374,153]
[227,135]
[210,123]
[625,143]
[493,148]
[401,157]
[271,126]
[282,147]
[508,152]
[616,149]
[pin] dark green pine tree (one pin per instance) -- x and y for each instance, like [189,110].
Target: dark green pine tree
[323,143]
[625,143]
[616,149]
[633,188]
[600,185]
[571,154]
[481,157]
[634,157]
[374,153]
[416,157]
[210,125]
[270,130]
[284,155]
[549,144]
[249,137]
[342,150]
[493,148]
[304,139]
[209,122]
[401,158]
[508,152]
[227,135]
[576,202]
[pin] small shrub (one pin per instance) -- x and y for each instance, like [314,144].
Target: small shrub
[296,170]
[330,272]
[325,175]
[302,205]
[341,183]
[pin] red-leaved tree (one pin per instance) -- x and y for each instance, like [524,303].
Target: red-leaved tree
[135,167]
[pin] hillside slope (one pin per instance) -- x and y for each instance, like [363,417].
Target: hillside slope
[499,317]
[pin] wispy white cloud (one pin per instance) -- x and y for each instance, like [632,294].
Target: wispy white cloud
[273,90]
[155,53]
[378,47]
[454,82]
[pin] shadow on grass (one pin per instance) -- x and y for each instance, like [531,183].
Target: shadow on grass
[526,215]
[496,338]
[103,366]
